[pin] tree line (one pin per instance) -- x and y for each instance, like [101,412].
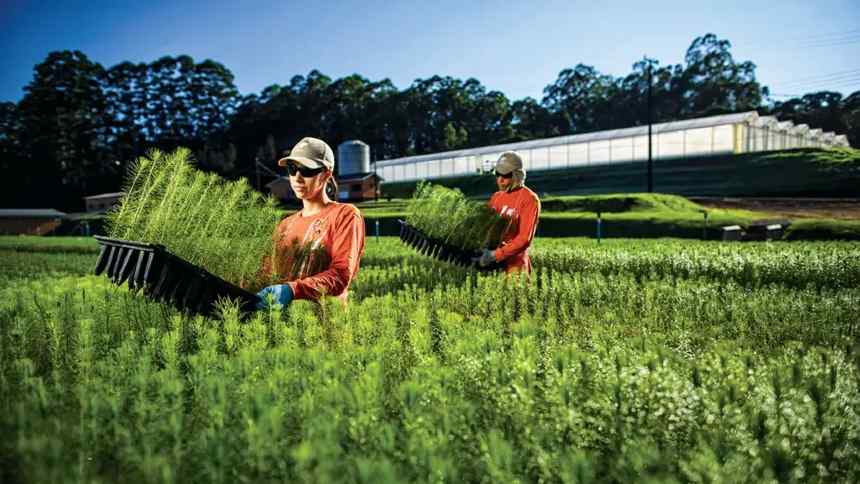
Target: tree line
[79,124]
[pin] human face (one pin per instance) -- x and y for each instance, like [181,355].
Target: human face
[504,182]
[307,187]
[306,172]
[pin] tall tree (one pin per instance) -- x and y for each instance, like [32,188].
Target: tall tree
[127,110]
[64,135]
[531,120]
[575,98]
[851,118]
[713,83]
[11,162]
[172,102]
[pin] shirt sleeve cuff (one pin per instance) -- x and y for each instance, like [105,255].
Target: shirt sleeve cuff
[294,287]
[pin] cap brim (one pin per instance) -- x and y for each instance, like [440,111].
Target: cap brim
[503,170]
[301,160]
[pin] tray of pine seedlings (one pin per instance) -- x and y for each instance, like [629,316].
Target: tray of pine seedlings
[444,224]
[186,237]
[165,277]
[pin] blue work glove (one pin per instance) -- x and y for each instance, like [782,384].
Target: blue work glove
[487,257]
[281,294]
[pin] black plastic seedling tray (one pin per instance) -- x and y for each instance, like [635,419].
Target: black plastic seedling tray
[438,249]
[166,277]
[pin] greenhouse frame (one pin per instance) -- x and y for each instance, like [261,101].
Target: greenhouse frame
[725,134]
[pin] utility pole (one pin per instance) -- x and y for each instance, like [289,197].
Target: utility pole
[650,153]
[375,186]
[257,172]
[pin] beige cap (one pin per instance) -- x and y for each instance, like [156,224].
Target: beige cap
[310,152]
[509,161]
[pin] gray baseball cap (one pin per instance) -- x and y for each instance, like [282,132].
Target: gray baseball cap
[312,153]
[509,161]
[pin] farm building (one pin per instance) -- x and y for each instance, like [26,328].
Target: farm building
[30,221]
[358,187]
[355,180]
[280,189]
[724,134]
[102,202]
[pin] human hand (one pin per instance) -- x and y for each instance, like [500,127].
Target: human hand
[277,294]
[487,258]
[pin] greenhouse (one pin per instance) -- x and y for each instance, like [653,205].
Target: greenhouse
[725,134]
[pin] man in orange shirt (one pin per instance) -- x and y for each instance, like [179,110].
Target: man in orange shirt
[522,207]
[317,250]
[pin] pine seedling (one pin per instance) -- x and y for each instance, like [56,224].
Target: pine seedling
[446,214]
[173,168]
[223,227]
[120,217]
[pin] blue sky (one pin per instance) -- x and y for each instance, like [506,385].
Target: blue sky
[515,47]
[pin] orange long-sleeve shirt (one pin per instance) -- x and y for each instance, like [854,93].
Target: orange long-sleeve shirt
[522,207]
[336,233]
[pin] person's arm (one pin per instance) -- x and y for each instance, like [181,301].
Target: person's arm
[528,219]
[347,248]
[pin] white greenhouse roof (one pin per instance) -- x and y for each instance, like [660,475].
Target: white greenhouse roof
[105,195]
[31,213]
[769,121]
[721,120]
[277,181]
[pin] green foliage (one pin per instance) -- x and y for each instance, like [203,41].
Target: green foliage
[628,361]
[445,214]
[823,229]
[846,158]
[790,264]
[620,203]
[222,226]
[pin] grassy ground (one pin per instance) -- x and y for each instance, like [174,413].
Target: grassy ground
[34,243]
[634,215]
[659,360]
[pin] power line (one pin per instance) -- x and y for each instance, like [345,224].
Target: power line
[837,73]
[842,82]
[854,82]
[848,81]
[831,39]
[834,39]
[814,87]
[831,80]
[816,37]
[773,94]
[824,77]
[847,41]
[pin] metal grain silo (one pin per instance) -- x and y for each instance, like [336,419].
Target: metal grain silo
[353,157]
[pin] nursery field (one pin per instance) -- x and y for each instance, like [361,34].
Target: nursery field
[659,360]
[646,215]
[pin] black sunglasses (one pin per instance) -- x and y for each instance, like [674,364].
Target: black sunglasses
[293,168]
[504,176]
